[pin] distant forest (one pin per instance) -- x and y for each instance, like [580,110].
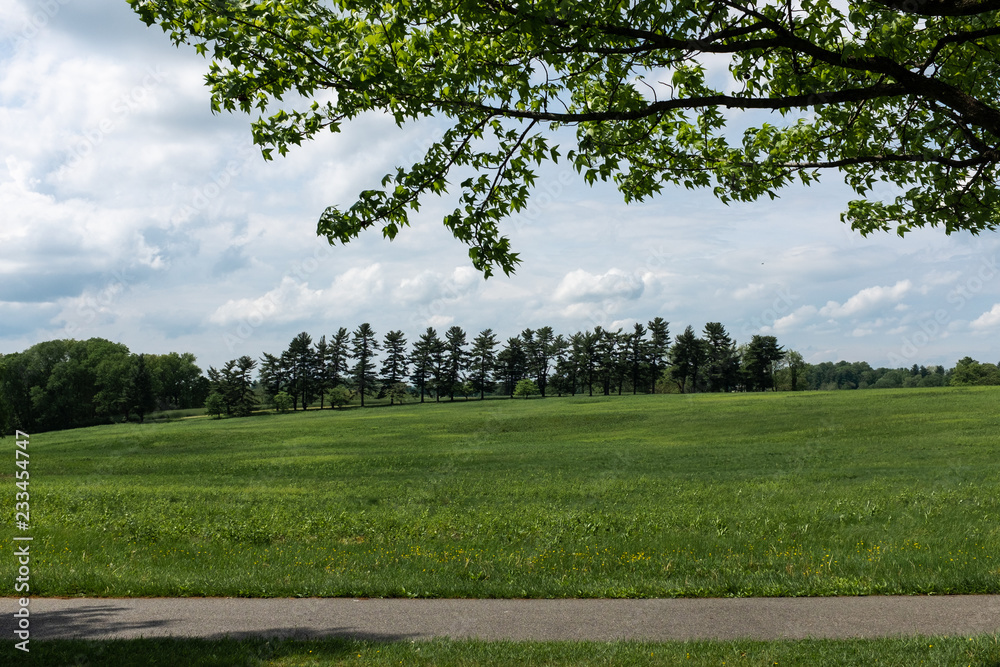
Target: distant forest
[66,383]
[63,384]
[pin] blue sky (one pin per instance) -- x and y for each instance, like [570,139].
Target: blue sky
[128,211]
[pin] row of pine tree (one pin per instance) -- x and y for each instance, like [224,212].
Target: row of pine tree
[359,363]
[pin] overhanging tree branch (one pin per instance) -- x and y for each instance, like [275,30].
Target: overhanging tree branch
[870,90]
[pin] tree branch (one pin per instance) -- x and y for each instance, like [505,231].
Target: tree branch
[941,7]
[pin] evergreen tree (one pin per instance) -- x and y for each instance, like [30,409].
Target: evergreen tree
[273,375]
[363,347]
[722,369]
[584,353]
[425,351]
[687,358]
[482,360]
[637,354]
[512,363]
[758,362]
[659,350]
[540,357]
[321,379]
[563,379]
[608,358]
[455,359]
[233,384]
[338,352]
[395,364]
[302,370]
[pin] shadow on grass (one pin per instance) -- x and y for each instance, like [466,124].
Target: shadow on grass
[982,651]
[169,652]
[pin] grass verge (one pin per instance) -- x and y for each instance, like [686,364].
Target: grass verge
[981,650]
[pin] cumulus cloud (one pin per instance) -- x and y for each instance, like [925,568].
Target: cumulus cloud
[580,285]
[293,300]
[792,321]
[867,299]
[988,320]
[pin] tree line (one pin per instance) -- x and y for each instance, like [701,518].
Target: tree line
[66,383]
[359,364]
[63,384]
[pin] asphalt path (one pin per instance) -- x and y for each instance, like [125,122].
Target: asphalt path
[571,619]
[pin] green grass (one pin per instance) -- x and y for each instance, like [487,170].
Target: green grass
[839,493]
[905,652]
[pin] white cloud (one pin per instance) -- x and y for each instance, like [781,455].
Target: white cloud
[138,241]
[293,300]
[936,278]
[440,321]
[429,286]
[794,320]
[988,320]
[580,285]
[867,299]
[751,291]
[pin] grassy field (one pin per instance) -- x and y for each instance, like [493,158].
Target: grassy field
[927,651]
[839,493]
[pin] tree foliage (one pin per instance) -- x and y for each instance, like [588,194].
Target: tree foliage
[882,91]
[364,344]
[395,365]
[526,388]
[62,384]
[482,360]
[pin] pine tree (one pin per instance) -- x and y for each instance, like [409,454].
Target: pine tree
[687,357]
[321,356]
[422,360]
[659,350]
[758,362]
[512,364]
[455,358]
[338,352]
[722,369]
[395,364]
[363,347]
[584,351]
[637,353]
[482,360]
[302,370]
[563,379]
[540,353]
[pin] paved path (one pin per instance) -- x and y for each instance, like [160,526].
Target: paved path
[402,619]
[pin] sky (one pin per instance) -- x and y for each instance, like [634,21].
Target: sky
[128,211]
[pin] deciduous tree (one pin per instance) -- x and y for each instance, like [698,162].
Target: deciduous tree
[884,91]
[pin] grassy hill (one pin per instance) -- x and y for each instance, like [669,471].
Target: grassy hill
[839,493]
